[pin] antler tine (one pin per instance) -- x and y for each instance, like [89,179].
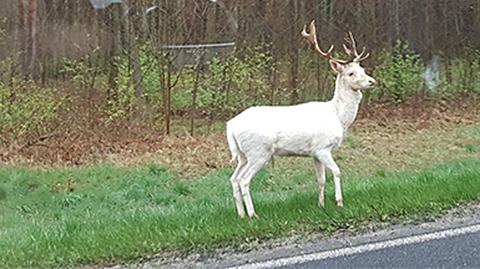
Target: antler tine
[311,37]
[353,43]
[364,57]
[350,41]
[361,53]
[353,51]
[348,51]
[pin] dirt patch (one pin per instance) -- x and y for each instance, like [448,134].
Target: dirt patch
[385,127]
[419,114]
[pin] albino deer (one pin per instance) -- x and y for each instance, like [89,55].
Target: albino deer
[310,129]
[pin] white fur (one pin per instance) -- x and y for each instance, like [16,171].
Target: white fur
[309,129]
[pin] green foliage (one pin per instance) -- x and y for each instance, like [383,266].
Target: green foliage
[151,64]
[26,108]
[236,82]
[124,101]
[6,65]
[120,105]
[227,84]
[83,71]
[461,76]
[242,79]
[183,92]
[399,75]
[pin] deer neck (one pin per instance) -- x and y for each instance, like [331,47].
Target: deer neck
[346,102]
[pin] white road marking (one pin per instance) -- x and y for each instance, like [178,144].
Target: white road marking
[361,248]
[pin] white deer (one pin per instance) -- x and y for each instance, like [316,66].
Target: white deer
[310,129]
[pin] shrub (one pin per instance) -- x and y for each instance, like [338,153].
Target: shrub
[121,103]
[461,76]
[399,75]
[83,71]
[124,101]
[26,108]
[236,82]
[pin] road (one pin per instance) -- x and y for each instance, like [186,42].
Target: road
[452,248]
[451,241]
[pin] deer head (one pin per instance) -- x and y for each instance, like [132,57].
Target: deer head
[350,72]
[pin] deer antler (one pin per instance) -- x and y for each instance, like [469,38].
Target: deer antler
[353,50]
[311,38]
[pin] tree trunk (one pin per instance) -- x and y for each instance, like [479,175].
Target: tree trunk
[32,25]
[293,52]
[167,100]
[194,96]
[137,71]
[19,41]
[133,50]
[115,41]
[397,19]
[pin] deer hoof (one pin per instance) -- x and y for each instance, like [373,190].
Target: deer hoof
[254,216]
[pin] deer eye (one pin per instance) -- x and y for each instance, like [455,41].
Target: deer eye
[351,74]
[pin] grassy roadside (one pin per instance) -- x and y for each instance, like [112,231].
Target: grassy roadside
[57,217]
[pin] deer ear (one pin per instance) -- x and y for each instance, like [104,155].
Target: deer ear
[336,66]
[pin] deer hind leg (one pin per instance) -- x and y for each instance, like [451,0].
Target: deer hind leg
[236,186]
[326,158]
[252,167]
[320,170]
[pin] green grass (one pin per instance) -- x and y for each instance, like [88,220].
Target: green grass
[53,217]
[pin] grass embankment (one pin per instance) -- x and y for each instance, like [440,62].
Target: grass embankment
[107,214]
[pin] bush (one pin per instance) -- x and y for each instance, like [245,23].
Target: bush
[399,75]
[236,82]
[83,71]
[122,103]
[226,84]
[461,76]
[26,108]
[124,100]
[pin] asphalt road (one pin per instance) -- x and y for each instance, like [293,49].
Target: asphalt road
[449,248]
[451,241]
[462,251]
